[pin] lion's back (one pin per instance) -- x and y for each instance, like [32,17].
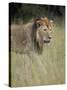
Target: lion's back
[21,37]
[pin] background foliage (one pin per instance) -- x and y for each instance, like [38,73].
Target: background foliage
[24,12]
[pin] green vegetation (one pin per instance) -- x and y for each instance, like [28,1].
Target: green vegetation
[24,12]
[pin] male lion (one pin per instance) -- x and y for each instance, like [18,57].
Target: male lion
[31,36]
[42,33]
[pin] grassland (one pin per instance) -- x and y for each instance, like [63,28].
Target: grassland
[41,69]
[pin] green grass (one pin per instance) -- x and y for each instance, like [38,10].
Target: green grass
[45,69]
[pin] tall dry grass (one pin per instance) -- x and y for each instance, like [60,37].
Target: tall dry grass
[40,69]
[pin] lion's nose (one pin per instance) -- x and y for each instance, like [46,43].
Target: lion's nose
[49,37]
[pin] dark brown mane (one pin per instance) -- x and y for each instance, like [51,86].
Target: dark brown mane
[34,30]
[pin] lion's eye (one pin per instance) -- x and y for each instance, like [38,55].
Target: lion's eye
[44,29]
[39,25]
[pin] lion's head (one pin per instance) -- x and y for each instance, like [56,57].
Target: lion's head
[43,29]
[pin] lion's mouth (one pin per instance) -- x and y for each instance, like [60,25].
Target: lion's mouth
[47,40]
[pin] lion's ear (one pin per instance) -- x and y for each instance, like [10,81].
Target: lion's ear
[39,22]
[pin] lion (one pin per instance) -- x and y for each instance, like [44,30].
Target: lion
[31,36]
